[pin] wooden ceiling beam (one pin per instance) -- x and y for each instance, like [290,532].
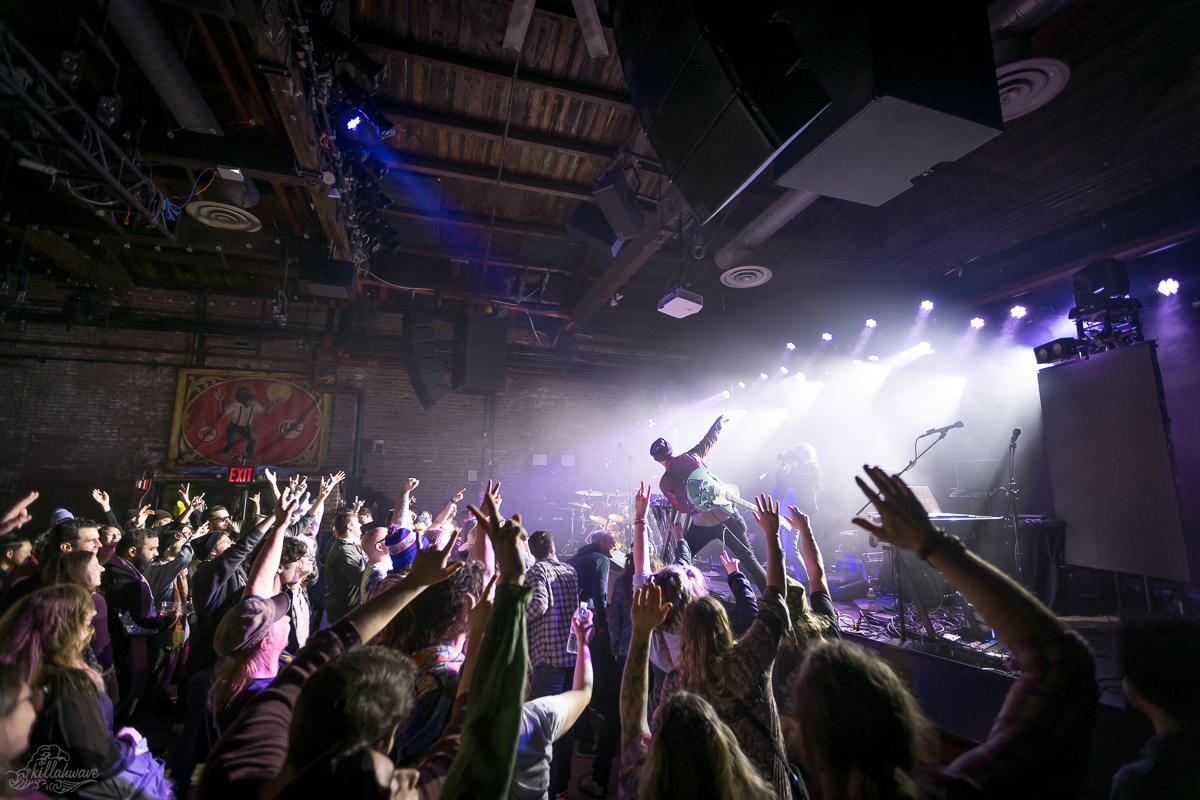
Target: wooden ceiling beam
[402,112]
[380,45]
[448,169]
[482,221]
[656,231]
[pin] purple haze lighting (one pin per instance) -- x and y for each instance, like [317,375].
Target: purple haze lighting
[1017,312]
[1168,287]
[352,124]
[827,337]
[977,323]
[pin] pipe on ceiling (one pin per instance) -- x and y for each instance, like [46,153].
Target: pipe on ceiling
[1008,19]
[763,227]
[139,29]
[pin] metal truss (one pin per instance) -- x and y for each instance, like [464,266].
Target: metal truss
[53,115]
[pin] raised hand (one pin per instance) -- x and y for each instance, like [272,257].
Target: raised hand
[410,484]
[582,630]
[767,514]
[649,611]
[270,476]
[723,419]
[731,565]
[358,504]
[185,494]
[480,611]
[18,515]
[201,531]
[905,522]
[458,497]
[218,395]
[800,521]
[433,565]
[142,513]
[506,537]
[641,500]
[101,497]
[196,502]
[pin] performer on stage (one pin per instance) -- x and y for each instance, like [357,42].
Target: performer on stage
[702,527]
[798,483]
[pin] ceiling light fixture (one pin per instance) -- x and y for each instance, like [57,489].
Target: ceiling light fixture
[1168,287]
[1017,312]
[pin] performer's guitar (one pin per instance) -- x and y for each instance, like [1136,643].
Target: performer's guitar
[707,492]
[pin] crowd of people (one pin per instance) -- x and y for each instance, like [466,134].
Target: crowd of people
[458,655]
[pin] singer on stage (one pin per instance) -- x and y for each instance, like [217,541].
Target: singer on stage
[700,528]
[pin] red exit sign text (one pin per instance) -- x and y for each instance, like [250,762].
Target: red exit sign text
[241,474]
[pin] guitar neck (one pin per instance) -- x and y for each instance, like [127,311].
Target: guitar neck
[741,501]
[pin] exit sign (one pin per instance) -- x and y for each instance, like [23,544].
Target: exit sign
[241,474]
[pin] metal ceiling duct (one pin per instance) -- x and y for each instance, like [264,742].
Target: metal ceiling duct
[1011,23]
[743,246]
[138,28]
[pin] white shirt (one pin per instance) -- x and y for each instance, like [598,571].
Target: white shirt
[664,661]
[543,722]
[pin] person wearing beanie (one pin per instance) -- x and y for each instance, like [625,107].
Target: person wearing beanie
[254,632]
[59,515]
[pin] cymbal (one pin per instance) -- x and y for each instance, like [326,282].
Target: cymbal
[598,520]
[578,505]
[589,493]
[616,518]
[618,494]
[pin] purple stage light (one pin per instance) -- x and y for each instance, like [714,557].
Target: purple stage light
[1168,287]
[1017,312]
[871,323]
[353,123]
[927,305]
[977,323]
[763,375]
[791,346]
[827,337]
[784,370]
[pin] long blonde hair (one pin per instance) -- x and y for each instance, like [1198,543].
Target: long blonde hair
[707,639]
[695,755]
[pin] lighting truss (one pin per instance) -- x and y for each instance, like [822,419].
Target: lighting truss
[1109,324]
[63,130]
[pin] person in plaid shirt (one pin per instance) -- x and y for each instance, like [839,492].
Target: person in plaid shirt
[555,600]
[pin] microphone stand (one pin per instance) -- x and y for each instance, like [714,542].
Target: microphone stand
[1013,493]
[911,464]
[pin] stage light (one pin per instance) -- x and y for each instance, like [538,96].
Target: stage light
[353,123]
[791,346]
[741,385]
[827,337]
[977,323]
[783,370]
[726,393]
[857,361]
[927,305]
[1168,287]
[871,323]
[1058,350]
[763,375]
[924,348]
[800,376]
[872,358]
[1017,312]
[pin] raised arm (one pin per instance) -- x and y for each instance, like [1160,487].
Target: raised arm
[581,691]
[641,546]
[18,515]
[814,564]
[767,517]
[648,613]
[261,582]
[403,513]
[710,438]
[1012,612]
[431,565]
[450,509]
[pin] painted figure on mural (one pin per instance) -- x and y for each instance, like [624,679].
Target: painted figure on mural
[241,412]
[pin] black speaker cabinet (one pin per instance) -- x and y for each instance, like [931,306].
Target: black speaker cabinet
[720,88]
[589,224]
[480,354]
[420,355]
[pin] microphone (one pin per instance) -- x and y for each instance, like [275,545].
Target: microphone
[945,430]
[1016,433]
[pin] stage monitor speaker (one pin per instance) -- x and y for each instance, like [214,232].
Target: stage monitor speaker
[420,355]
[587,223]
[719,87]
[326,277]
[1108,440]
[480,354]
[913,84]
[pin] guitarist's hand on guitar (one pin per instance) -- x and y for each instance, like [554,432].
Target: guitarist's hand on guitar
[905,522]
[642,500]
[731,565]
[767,514]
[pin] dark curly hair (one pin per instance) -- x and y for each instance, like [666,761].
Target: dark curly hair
[437,614]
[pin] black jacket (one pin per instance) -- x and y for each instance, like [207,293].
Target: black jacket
[216,587]
[591,565]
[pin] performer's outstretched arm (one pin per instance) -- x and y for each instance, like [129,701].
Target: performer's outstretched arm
[710,438]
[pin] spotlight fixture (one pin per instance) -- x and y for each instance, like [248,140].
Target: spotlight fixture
[872,358]
[827,337]
[857,361]
[763,375]
[1058,350]
[792,346]
[924,348]
[1017,312]
[1168,287]
[784,370]
[741,384]
[871,323]
[353,123]
[977,323]
[800,376]
[726,394]
[927,305]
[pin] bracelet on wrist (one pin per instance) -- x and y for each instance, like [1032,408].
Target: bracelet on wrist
[935,541]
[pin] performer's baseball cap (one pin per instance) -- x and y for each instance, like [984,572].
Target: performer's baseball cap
[401,544]
[660,450]
[246,624]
